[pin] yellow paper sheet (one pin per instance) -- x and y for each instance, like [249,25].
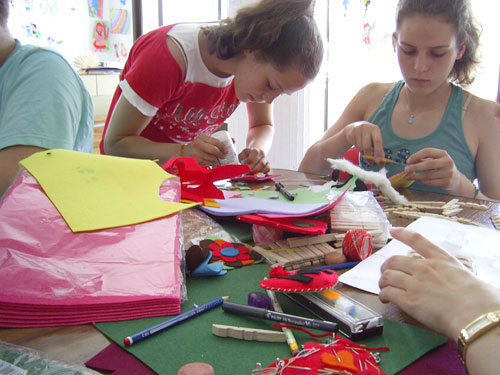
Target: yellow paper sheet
[93,191]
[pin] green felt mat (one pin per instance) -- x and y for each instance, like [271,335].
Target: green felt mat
[193,341]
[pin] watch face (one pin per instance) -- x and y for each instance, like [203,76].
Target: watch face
[476,326]
[481,323]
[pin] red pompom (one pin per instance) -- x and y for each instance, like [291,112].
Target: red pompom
[278,271]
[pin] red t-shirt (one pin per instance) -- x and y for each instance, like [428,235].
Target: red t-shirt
[153,82]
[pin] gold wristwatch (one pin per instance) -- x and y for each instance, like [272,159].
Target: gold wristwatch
[475,329]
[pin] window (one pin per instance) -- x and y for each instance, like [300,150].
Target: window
[167,12]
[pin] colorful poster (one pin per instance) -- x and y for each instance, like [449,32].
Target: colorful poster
[95,8]
[100,36]
[120,21]
[75,27]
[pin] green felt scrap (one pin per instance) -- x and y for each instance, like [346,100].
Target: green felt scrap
[240,230]
[193,341]
[303,224]
[302,195]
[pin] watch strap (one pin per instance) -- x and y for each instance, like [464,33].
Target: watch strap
[476,329]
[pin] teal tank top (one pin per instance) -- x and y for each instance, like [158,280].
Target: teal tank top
[449,136]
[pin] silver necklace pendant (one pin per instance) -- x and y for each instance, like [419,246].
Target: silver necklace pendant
[411,119]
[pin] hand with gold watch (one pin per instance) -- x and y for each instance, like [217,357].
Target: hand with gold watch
[443,295]
[475,329]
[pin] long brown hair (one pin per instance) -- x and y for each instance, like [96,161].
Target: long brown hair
[454,12]
[281,32]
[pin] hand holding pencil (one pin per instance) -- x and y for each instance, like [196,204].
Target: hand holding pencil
[383,160]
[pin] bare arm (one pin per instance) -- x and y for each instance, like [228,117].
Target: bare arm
[127,123]
[350,129]
[123,139]
[435,167]
[9,163]
[123,135]
[488,154]
[259,138]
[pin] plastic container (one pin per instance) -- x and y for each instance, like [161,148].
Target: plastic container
[225,138]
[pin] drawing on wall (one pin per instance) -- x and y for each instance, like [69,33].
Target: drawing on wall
[367,24]
[120,21]
[367,30]
[75,27]
[95,8]
[121,51]
[35,29]
[28,5]
[100,35]
[346,4]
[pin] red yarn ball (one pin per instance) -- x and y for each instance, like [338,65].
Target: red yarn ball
[357,244]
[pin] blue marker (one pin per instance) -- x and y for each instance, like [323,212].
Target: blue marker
[171,322]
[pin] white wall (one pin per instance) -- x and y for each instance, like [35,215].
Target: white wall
[290,139]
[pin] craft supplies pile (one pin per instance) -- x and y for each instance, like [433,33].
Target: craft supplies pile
[72,235]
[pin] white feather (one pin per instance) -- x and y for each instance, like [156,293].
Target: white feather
[378,179]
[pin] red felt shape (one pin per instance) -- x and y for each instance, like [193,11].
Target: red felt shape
[354,359]
[351,155]
[296,225]
[303,280]
[197,182]
[232,254]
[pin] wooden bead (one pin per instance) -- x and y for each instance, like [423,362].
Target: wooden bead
[196,368]
[335,258]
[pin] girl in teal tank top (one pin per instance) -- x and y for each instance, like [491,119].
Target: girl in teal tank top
[448,135]
[448,140]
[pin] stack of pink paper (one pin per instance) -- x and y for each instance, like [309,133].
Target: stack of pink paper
[50,276]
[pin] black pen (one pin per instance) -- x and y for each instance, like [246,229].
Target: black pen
[257,312]
[283,191]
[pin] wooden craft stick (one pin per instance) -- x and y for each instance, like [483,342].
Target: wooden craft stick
[450,203]
[248,334]
[476,206]
[310,240]
[452,212]
[279,252]
[428,203]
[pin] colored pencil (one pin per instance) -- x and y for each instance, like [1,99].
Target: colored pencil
[383,160]
[338,266]
[171,322]
[290,338]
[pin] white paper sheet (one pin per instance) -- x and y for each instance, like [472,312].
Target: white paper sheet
[481,245]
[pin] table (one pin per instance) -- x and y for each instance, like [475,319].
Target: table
[77,344]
